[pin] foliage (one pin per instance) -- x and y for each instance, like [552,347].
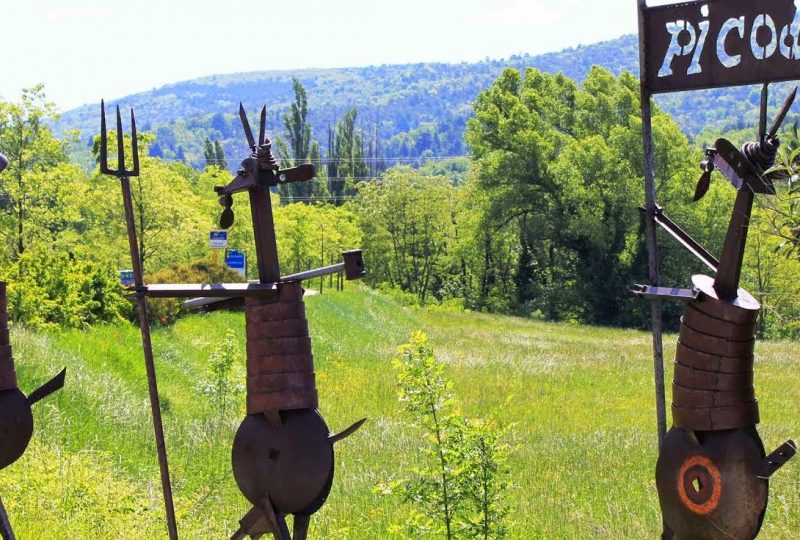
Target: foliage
[32,192]
[408,223]
[219,385]
[299,147]
[459,491]
[50,288]
[165,311]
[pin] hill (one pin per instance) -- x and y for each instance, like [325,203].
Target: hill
[412,110]
[578,401]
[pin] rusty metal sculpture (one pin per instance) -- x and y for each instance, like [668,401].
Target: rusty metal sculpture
[283,451]
[712,473]
[16,419]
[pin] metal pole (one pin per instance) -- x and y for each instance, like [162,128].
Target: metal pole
[6,532]
[144,325]
[650,232]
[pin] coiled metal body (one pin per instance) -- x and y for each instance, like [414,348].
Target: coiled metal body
[709,470]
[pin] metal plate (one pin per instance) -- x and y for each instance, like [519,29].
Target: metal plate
[715,418]
[287,400]
[709,489]
[714,345]
[280,311]
[278,346]
[277,382]
[278,329]
[697,320]
[708,362]
[709,380]
[743,310]
[693,45]
[689,397]
[16,426]
[265,364]
[292,463]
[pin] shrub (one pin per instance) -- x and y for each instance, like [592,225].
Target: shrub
[165,311]
[458,491]
[48,289]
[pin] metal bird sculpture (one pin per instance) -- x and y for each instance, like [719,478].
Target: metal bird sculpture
[282,454]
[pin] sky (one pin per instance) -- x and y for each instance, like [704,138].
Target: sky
[84,50]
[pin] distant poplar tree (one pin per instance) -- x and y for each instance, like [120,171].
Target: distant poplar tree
[297,146]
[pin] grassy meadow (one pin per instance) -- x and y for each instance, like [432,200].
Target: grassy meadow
[579,402]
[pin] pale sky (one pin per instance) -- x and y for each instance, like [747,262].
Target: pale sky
[85,50]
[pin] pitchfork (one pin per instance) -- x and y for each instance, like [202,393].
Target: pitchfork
[124,176]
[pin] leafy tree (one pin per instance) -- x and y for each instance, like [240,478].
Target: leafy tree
[299,148]
[562,164]
[408,221]
[346,164]
[30,189]
[457,491]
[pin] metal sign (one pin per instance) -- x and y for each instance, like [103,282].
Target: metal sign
[237,261]
[127,278]
[218,239]
[695,45]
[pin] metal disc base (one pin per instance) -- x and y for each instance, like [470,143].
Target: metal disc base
[709,486]
[291,462]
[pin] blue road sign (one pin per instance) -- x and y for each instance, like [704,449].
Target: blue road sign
[126,278]
[236,261]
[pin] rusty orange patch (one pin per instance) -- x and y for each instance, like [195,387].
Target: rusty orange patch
[710,499]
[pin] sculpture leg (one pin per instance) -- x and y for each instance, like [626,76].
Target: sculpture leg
[301,522]
[5,525]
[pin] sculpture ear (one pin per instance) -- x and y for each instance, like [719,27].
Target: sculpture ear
[53,385]
[346,433]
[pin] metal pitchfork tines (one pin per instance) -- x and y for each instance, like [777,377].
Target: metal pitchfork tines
[141,302]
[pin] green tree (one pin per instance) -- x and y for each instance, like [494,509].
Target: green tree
[408,221]
[346,165]
[562,164]
[32,189]
[299,147]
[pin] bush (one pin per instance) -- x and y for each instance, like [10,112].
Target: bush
[165,311]
[458,491]
[48,289]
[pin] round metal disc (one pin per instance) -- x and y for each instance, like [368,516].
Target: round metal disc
[708,486]
[16,426]
[292,463]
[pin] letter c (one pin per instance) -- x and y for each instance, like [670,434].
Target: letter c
[726,59]
[762,53]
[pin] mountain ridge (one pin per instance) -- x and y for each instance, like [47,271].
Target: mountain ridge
[412,110]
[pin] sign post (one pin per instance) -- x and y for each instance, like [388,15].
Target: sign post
[217,240]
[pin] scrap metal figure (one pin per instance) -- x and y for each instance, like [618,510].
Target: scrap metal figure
[16,419]
[283,451]
[712,471]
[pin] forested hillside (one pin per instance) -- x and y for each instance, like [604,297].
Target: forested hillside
[405,111]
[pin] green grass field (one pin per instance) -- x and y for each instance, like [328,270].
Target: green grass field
[579,401]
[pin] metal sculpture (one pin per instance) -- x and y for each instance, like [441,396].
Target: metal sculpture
[282,454]
[16,419]
[3,162]
[712,472]
[283,451]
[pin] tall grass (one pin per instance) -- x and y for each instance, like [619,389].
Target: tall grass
[579,401]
